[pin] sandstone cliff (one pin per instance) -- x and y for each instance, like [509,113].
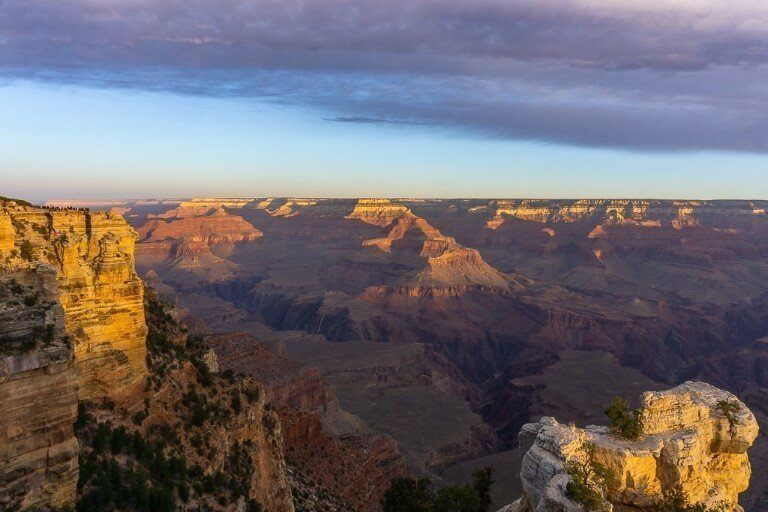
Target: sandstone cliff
[91,254]
[38,390]
[218,436]
[379,212]
[694,441]
[71,327]
[74,350]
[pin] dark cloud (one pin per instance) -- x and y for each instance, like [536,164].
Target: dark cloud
[641,74]
[372,120]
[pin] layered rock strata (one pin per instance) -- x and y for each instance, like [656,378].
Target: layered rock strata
[71,327]
[379,212]
[354,465]
[193,225]
[90,255]
[677,213]
[38,389]
[447,263]
[38,448]
[287,384]
[193,239]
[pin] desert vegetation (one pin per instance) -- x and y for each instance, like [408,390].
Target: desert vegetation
[624,422]
[418,495]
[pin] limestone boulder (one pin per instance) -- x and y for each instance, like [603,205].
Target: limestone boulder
[695,440]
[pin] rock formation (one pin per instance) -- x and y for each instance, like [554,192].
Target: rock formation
[678,213]
[448,264]
[287,384]
[193,239]
[74,345]
[290,208]
[694,441]
[192,224]
[38,387]
[71,327]
[379,212]
[84,262]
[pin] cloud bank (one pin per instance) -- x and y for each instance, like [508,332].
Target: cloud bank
[636,74]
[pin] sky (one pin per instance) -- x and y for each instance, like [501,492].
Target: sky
[342,98]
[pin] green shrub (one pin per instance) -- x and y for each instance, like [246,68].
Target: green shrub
[589,481]
[20,202]
[237,406]
[457,499]
[252,393]
[729,408]
[411,495]
[269,419]
[408,495]
[26,250]
[623,422]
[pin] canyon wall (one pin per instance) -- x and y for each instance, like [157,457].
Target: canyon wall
[680,213]
[323,443]
[91,254]
[38,389]
[71,327]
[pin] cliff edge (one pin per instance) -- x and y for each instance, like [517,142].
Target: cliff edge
[107,402]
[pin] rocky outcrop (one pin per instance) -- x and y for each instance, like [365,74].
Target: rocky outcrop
[254,428]
[195,225]
[221,423]
[694,441]
[354,466]
[92,278]
[290,208]
[71,327]
[447,263]
[379,212]
[204,204]
[460,267]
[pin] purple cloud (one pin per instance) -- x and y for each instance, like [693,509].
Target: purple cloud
[651,74]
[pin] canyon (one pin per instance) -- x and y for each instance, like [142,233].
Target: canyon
[388,336]
[500,311]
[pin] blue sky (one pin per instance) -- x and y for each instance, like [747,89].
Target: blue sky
[357,98]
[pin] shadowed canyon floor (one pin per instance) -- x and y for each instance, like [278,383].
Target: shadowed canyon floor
[446,325]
